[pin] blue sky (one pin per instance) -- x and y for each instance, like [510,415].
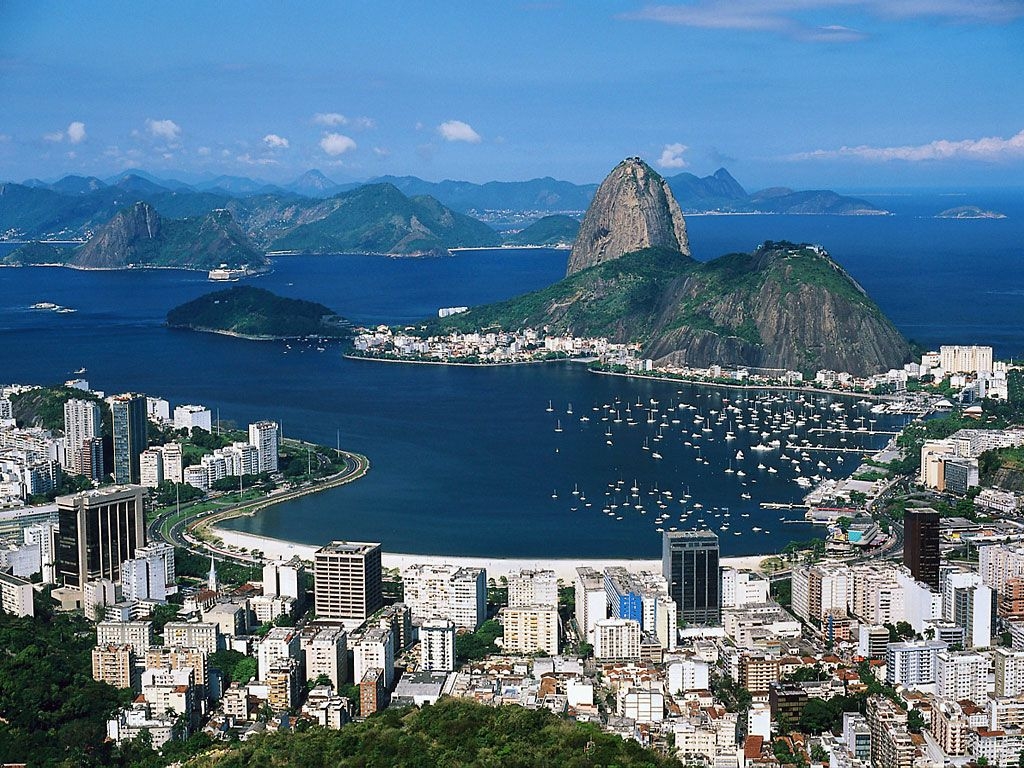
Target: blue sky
[849,94]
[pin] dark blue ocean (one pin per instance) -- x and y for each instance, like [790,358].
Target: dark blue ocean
[466,461]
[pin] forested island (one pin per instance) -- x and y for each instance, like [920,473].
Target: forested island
[256,313]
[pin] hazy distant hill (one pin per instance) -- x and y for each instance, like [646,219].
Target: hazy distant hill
[556,229]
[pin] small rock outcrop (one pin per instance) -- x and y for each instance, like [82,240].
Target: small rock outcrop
[633,209]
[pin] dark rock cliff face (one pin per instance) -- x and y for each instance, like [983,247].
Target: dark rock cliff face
[633,209]
[139,236]
[123,240]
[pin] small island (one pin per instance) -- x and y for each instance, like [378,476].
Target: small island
[256,313]
[969,212]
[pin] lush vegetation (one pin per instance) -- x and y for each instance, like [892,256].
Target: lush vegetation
[51,710]
[377,218]
[250,311]
[44,407]
[452,732]
[476,645]
[549,230]
[727,307]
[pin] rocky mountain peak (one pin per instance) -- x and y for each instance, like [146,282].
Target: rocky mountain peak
[631,210]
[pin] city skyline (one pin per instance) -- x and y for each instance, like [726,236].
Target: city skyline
[849,95]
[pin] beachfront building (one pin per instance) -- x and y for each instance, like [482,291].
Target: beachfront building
[530,588]
[445,591]
[743,588]
[347,579]
[283,578]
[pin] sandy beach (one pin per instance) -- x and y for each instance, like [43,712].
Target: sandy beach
[564,568]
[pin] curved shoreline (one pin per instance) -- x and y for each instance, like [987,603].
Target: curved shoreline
[463,365]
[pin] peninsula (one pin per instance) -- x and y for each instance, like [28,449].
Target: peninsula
[255,313]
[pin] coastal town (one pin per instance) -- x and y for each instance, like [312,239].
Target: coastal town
[897,639]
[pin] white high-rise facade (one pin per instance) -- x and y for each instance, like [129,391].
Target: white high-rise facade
[264,435]
[150,574]
[151,467]
[591,601]
[189,416]
[83,421]
[965,359]
[617,639]
[447,592]
[171,454]
[526,588]
[437,645]
[962,675]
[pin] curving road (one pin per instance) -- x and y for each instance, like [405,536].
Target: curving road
[179,534]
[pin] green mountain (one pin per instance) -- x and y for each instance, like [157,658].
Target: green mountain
[550,230]
[784,306]
[139,236]
[243,310]
[378,218]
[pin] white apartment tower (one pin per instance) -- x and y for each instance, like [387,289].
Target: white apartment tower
[437,645]
[532,588]
[151,467]
[83,421]
[264,435]
[617,639]
[447,592]
[530,629]
[150,574]
[591,601]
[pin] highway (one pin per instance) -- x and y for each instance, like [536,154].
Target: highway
[180,533]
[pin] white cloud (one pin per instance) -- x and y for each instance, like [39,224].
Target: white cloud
[672,156]
[203,151]
[990,149]
[378,151]
[4,137]
[248,159]
[330,118]
[164,129]
[336,144]
[364,123]
[76,132]
[456,130]
[784,16]
[274,141]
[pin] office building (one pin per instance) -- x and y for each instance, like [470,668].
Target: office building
[130,440]
[921,545]
[347,578]
[98,530]
[689,561]
[83,420]
[437,645]
[264,435]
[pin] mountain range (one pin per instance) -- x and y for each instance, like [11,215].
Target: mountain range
[392,215]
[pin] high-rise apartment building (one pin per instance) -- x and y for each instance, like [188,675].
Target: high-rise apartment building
[264,435]
[437,645]
[689,562]
[97,531]
[83,421]
[347,580]
[129,416]
[591,601]
[528,587]
[921,545]
[447,592]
